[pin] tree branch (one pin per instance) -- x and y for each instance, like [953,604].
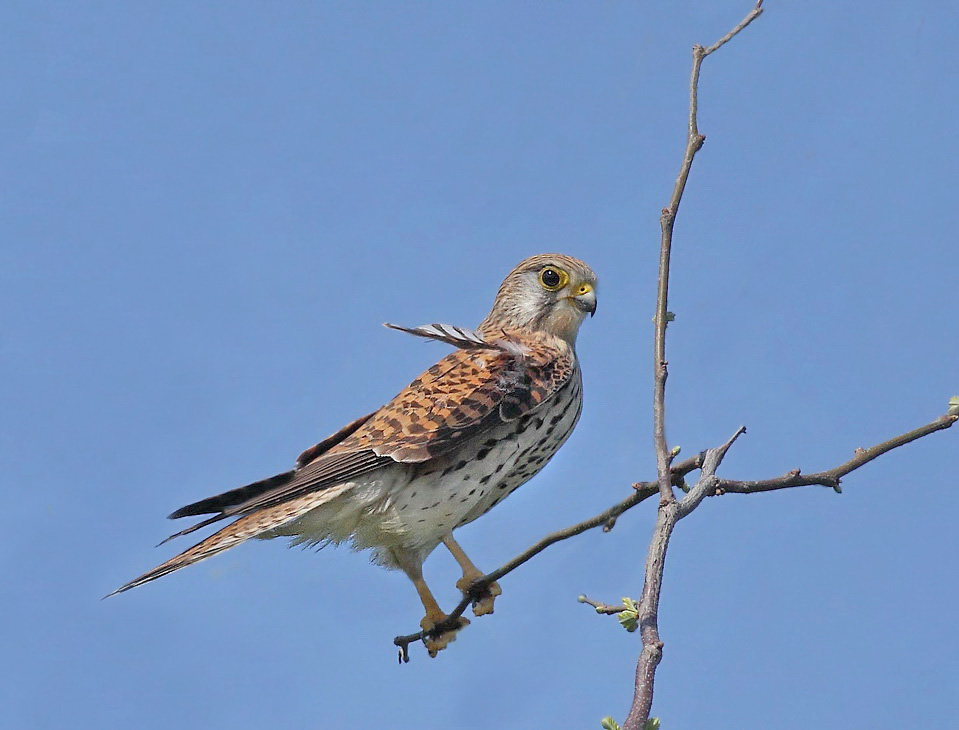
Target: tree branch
[829,478]
[709,484]
[666,519]
[667,221]
[832,477]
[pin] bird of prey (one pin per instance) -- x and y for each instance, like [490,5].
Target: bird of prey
[449,447]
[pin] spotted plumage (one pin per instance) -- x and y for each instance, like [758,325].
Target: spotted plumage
[449,447]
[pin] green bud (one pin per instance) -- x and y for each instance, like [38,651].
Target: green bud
[629,620]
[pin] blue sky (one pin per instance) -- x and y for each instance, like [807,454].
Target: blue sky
[207,210]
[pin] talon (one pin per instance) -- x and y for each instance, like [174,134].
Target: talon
[483,604]
[435,643]
[482,598]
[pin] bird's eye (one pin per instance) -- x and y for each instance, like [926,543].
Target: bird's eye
[553,279]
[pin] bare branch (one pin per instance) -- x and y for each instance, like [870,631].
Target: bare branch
[666,520]
[706,485]
[667,517]
[667,221]
[832,477]
[755,13]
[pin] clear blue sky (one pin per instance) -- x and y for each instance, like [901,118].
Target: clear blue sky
[207,210]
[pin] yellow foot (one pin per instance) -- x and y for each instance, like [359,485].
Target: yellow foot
[482,600]
[435,643]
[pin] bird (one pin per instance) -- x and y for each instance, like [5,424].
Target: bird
[448,448]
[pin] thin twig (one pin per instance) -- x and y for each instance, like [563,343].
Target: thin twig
[832,477]
[706,485]
[603,607]
[652,647]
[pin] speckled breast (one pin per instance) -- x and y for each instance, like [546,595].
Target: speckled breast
[453,494]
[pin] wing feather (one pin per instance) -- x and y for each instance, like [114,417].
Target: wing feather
[220,502]
[461,337]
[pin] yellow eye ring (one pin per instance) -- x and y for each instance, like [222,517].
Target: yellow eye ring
[552,278]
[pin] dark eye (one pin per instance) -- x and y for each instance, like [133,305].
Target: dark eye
[553,279]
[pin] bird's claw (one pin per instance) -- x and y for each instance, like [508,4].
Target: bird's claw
[438,634]
[482,596]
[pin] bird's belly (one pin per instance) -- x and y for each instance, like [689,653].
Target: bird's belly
[360,511]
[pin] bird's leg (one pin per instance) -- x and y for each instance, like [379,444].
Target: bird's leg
[482,597]
[434,643]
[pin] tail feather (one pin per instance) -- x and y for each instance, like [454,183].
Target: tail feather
[241,530]
[192,528]
[228,537]
[220,502]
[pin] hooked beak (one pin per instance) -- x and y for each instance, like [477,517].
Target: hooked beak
[585,299]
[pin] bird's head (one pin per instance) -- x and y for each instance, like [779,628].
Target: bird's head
[549,293]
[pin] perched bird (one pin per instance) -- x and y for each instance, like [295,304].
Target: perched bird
[448,448]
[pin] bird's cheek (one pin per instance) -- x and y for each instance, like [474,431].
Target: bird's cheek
[564,320]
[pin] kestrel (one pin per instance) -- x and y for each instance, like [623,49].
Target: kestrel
[449,447]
